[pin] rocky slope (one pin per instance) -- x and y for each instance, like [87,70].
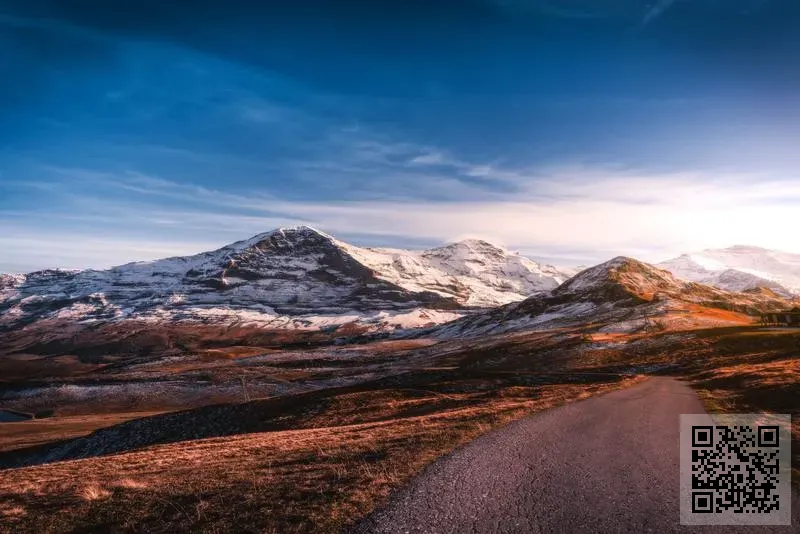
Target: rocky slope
[740,267]
[473,272]
[622,294]
[287,278]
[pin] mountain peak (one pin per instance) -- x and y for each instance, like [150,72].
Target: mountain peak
[618,261]
[739,267]
[747,249]
[621,277]
[284,234]
[301,230]
[468,247]
[477,243]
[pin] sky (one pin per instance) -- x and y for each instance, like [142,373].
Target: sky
[571,131]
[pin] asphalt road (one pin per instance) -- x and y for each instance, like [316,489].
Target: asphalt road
[607,464]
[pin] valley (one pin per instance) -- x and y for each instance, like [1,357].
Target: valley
[160,418]
[314,461]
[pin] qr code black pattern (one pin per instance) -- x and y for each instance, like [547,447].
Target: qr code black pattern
[735,468]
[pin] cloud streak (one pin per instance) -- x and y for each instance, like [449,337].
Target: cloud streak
[656,11]
[590,213]
[197,124]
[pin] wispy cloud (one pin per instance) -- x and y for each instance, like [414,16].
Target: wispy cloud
[50,24]
[487,173]
[656,11]
[78,251]
[591,213]
[429,158]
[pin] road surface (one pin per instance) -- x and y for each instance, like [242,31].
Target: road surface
[607,464]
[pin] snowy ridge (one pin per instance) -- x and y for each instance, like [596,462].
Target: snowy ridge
[303,279]
[473,272]
[739,268]
[288,278]
[618,295]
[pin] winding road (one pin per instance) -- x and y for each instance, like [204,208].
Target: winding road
[607,464]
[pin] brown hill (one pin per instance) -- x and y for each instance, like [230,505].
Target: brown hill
[624,293]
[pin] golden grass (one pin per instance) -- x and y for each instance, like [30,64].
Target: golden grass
[94,492]
[19,367]
[346,453]
[38,431]
[738,369]
[394,345]
[745,388]
[745,369]
[313,480]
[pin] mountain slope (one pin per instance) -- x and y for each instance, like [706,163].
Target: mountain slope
[622,294]
[739,267]
[473,272]
[290,277]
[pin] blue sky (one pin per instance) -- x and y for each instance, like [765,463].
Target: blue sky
[571,131]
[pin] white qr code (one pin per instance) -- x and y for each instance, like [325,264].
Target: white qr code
[735,469]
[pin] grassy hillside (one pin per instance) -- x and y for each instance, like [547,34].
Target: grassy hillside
[316,460]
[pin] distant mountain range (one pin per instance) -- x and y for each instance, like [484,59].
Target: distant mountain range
[740,267]
[302,279]
[621,295]
[287,278]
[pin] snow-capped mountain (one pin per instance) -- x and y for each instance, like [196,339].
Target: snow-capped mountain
[739,268]
[290,277]
[622,294]
[473,272]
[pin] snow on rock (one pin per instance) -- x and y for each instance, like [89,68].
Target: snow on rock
[11,280]
[290,278]
[618,296]
[473,272]
[739,268]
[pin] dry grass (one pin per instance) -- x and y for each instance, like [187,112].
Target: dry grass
[739,369]
[21,367]
[772,387]
[744,369]
[315,465]
[94,492]
[40,431]
[313,480]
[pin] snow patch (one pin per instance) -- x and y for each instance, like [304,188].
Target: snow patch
[738,268]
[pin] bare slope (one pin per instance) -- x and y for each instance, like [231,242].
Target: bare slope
[623,295]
